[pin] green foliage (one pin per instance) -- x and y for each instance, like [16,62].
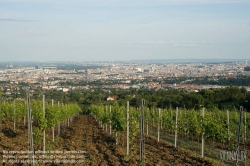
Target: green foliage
[134,128]
[223,99]
[118,117]
[190,122]
[52,115]
[16,110]
[21,110]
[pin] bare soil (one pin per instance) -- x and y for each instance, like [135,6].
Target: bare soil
[84,134]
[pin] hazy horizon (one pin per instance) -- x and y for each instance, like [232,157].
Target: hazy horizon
[95,30]
[135,61]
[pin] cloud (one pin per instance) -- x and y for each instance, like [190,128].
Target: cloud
[14,20]
[34,33]
[147,42]
[186,45]
[171,43]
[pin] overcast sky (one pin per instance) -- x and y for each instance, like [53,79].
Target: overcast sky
[99,30]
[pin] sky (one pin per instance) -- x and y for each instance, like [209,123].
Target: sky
[105,30]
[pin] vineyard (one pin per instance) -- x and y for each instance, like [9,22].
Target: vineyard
[37,116]
[203,136]
[208,133]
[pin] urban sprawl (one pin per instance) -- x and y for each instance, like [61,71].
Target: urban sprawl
[118,75]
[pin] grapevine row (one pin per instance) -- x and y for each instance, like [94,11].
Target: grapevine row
[220,126]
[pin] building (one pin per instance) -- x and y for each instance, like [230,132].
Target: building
[86,75]
[50,67]
[111,98]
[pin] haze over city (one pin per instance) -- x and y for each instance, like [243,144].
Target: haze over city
[88,30]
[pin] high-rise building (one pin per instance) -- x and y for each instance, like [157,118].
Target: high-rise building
[11,65]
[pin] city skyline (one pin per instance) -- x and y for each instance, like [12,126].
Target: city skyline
[118,30]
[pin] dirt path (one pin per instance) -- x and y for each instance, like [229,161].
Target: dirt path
[99,146]
[101,149]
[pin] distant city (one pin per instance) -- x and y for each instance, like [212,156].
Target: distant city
[67,76]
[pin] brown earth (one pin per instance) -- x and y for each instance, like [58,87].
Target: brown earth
[85,135]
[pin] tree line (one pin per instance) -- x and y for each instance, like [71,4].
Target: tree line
[225,98]
[230,97]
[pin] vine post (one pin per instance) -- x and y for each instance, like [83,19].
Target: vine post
[106,125]
[245,127]
[24,117]
[185,124]
[153,118]
[28,115]
[238,136]
[14,117]
[159,124]
[202,135]
[176,125]
[147,121]
[142,133]
[228,130]
[58,123]
[30,132]
[44,117]
[53,129]
[67,120]
[127,127]
[160,116]
[110,127]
